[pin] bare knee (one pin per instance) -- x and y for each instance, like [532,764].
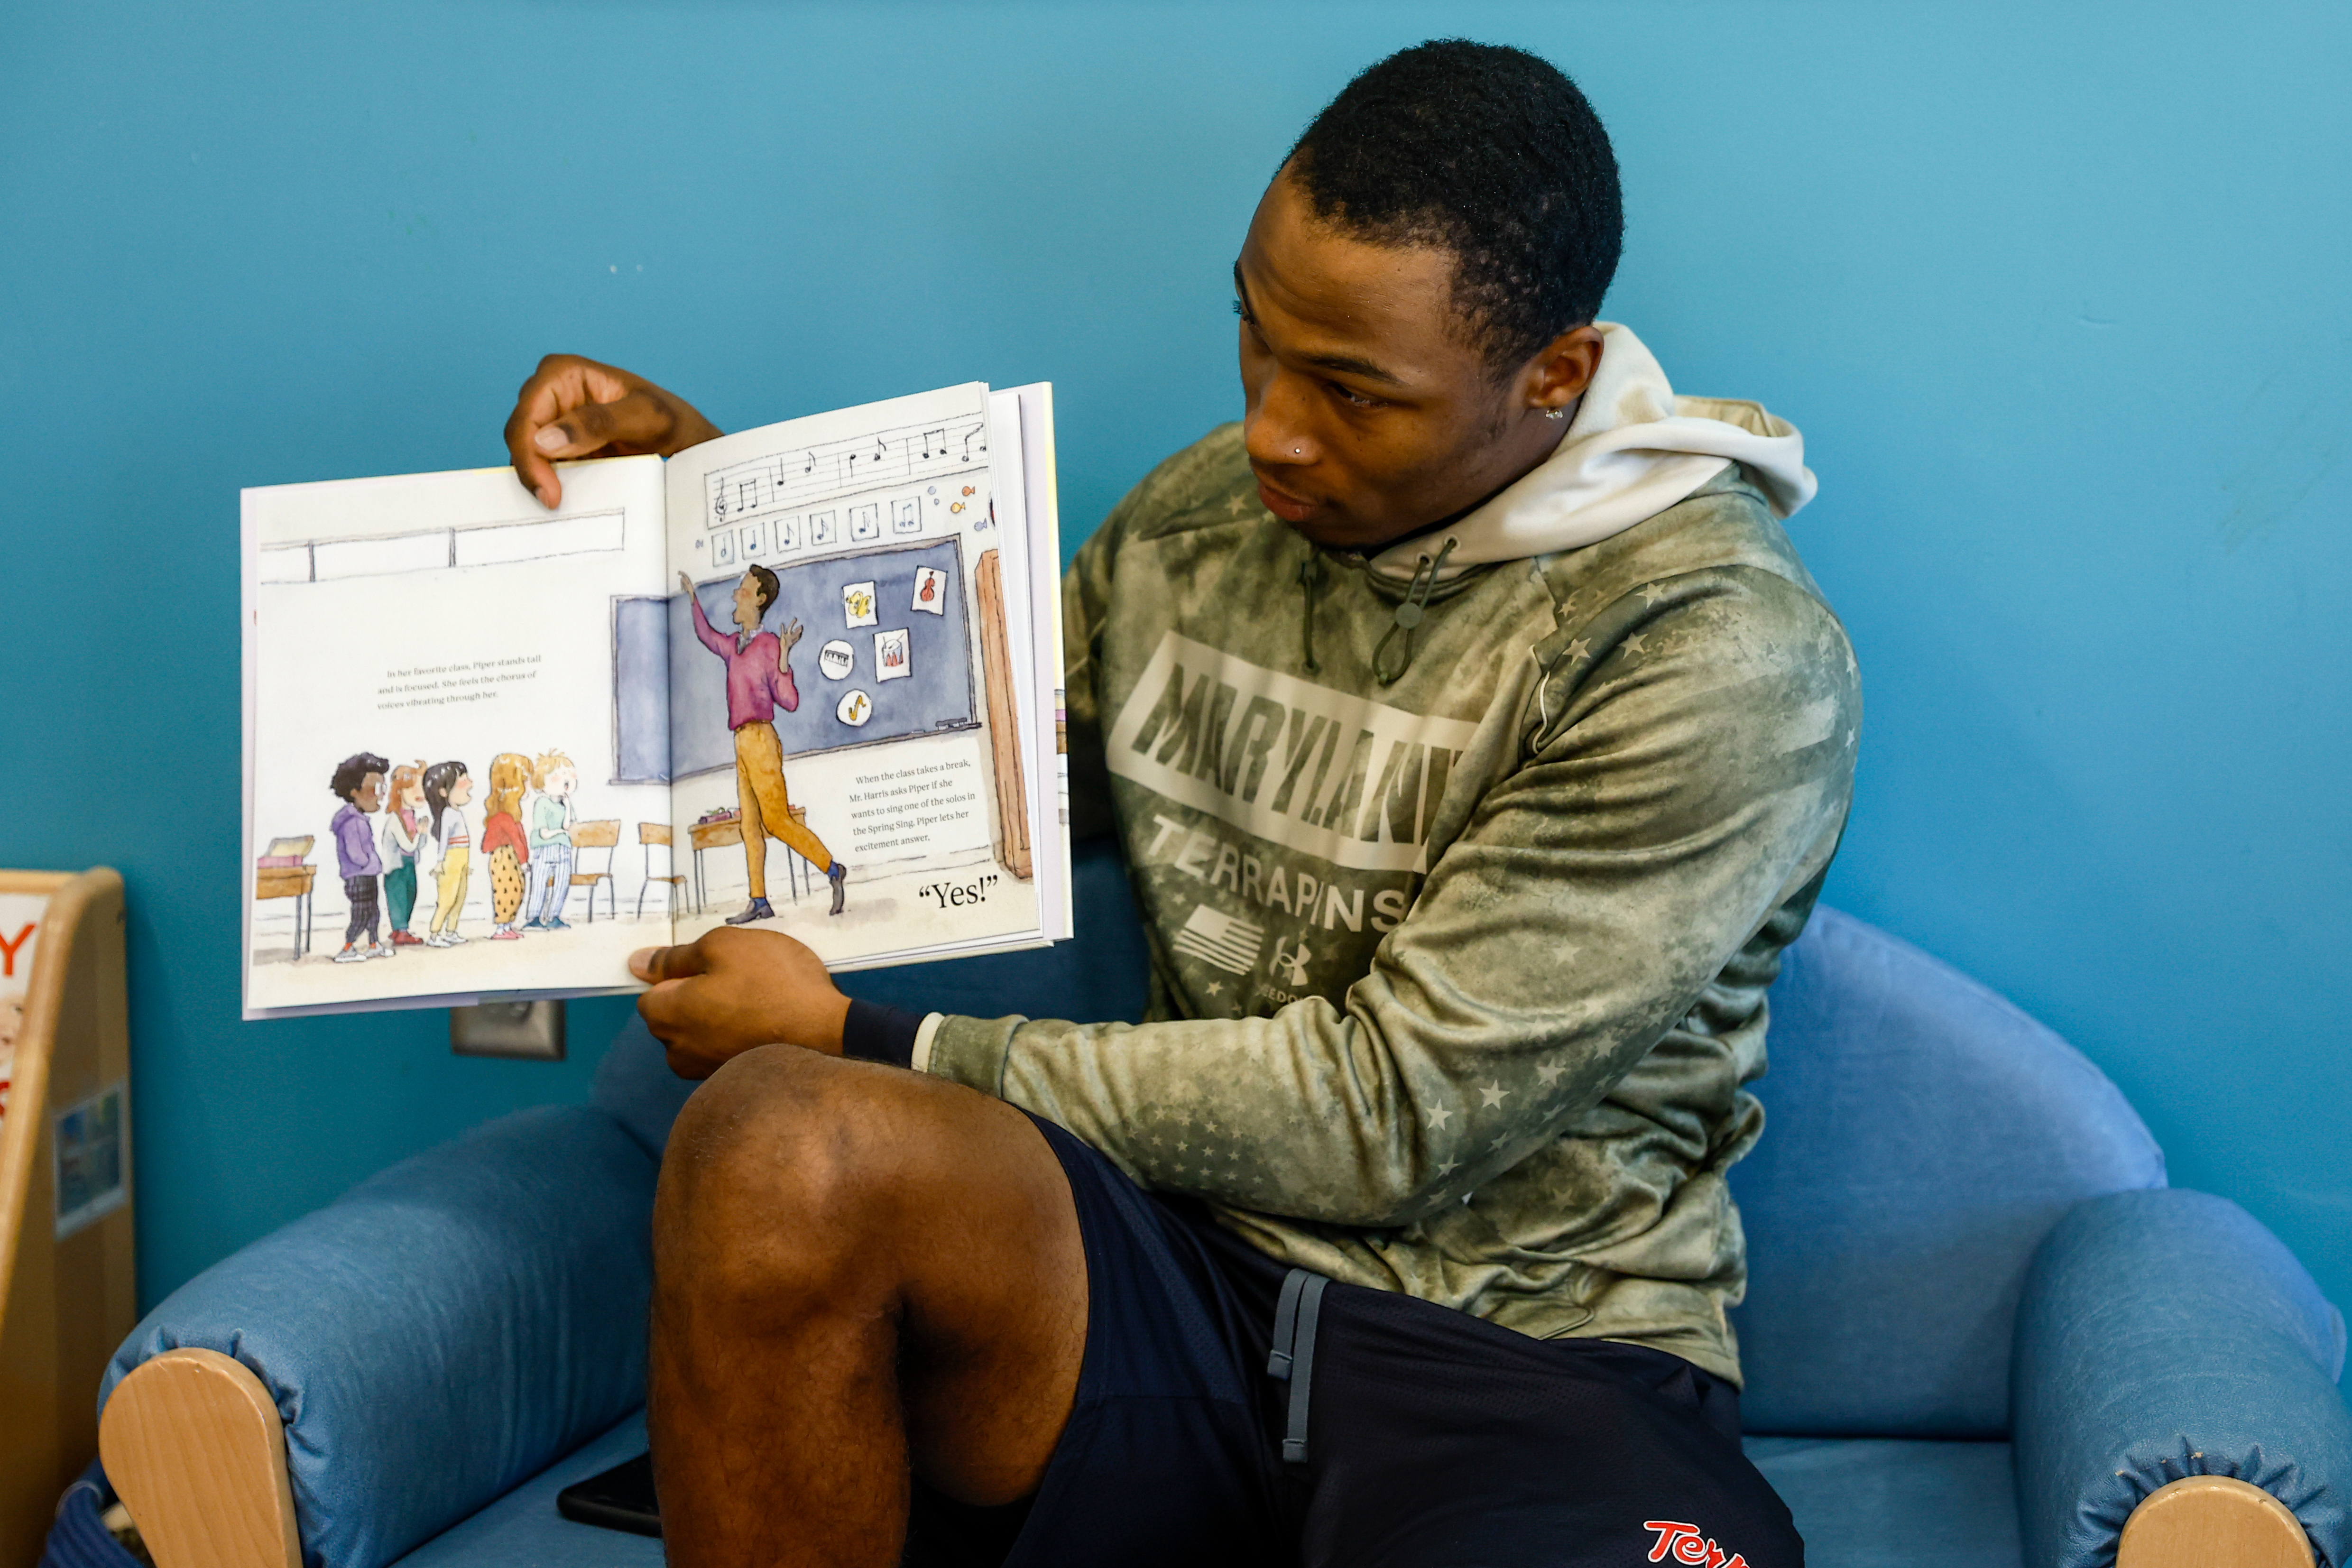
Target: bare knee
[777,1179]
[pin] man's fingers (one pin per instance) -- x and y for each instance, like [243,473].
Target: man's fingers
[538,476]
[638,420]
[663,1009]
[562,384]
[658,964]
[557,383]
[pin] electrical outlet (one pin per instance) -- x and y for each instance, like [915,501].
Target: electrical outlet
[530,1031]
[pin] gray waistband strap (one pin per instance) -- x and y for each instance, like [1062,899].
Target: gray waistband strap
[1286,1324]
[1292,1359]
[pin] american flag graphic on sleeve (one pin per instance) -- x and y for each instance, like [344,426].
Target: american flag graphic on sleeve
[1228,943]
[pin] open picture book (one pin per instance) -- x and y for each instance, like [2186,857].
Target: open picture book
[804,678]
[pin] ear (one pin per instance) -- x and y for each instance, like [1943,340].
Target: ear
[1562,370]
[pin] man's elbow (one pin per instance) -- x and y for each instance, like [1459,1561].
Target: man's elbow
[1403,1194]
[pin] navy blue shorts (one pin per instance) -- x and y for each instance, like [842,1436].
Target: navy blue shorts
[1432,1439]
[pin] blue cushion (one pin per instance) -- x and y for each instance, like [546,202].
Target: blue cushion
[2165,1334]
[523,1529]
[1921,1137]
[1883,1504]
[442,1331]
[635,1087]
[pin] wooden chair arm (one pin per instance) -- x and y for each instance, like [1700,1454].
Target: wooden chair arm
[193,1445]
[2212,1521]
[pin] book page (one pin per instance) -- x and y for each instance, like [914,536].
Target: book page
[848,695]
[1024,488]
[450,626]
[1041,489]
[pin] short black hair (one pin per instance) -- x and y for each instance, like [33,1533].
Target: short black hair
[765,581]
[352,772]
[1491,153]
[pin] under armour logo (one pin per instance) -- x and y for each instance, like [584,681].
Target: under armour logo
[1687,1543]
[1292,962]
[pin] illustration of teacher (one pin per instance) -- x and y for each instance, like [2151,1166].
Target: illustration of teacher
[760,681]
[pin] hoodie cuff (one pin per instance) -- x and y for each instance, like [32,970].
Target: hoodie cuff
[873,1033]
[971,1052]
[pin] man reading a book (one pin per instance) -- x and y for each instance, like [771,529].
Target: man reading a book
[1476,742]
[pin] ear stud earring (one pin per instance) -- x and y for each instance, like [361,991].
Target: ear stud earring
[1554,413]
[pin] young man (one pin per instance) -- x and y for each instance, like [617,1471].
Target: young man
[1476,742]
[760,681]
[358,782]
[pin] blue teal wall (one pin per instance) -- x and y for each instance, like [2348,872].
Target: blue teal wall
[2056,292]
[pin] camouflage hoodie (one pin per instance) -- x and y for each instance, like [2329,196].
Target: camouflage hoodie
[1464,866]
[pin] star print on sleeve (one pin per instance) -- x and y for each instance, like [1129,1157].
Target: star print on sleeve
[1653,592]
[1549,1071]
[1635,643]
[1439,1115]
[1492,1096]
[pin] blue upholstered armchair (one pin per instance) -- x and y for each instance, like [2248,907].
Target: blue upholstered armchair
[1979,1329]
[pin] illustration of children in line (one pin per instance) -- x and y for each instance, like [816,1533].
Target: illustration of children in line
[403,830]
[503,844]
[446,787]
[358,782]
[553,780]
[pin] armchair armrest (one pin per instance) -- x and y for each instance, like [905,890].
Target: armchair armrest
[2162,1335]
[439,1334]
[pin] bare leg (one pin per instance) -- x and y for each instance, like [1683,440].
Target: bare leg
[859,1272]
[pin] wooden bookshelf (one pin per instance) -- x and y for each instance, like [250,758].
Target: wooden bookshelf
[66,1300]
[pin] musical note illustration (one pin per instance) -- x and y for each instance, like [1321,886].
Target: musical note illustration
[829,470]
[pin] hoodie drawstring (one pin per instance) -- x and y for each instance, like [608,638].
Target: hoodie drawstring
[1408,616]
[1310,577]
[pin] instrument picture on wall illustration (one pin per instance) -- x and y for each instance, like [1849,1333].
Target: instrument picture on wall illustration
[858,605]
[834,660]
[855,709]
